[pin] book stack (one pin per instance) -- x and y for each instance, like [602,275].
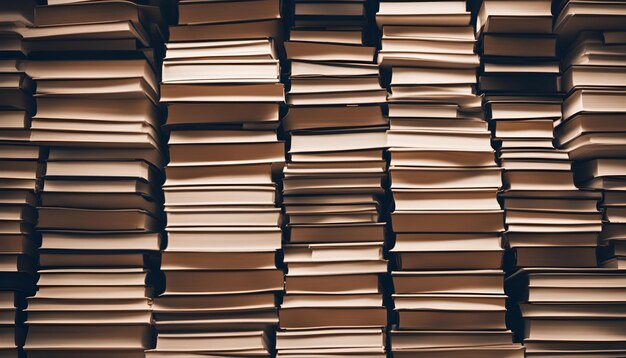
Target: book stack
[333,182]
[593,45]
[550,223]
[570,312]
[448,279]
[100,213]
[221,84]
[19,179]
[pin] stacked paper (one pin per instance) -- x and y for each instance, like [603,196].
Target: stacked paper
[19,180]
[333,182]
[448,283]
[100,210]
[223,95]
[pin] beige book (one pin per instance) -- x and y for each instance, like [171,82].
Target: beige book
[234,260]
[353,155]
[583,124]
[448,221]
[338,98]
[214,282]
[549,204]
[538,180]
[226,113]
[92,220]
[428,45]
[334,300]
[338,141]
[451,319]
[335,284]
[248,174]
[522,16]
[337,268]
[440,33]
[223,217]
[224,238]
[207,12]
[19,169]
[90,31]
[329,117]
[122,88]
[101,316]
[218,341]
[524,129]
[352,37]
[91,69]
[488,282]
[225,153]
[112,169]
[94,292]
[88,305]
[92,277]
[417,157]
[442,339]
[537,239]
[319,51]
[519,45]
[288,340]
[448,178]
[524,110]
[262,93]
[334,252]
[514,216]
[347,233]
[331,69]
[209,303]
[221,71]
[436,60]
[587,100]
[107,185]
[303,85]
[424,13]
[582,329]
[423,76]
[220,195]
[445,199]
[434,124]
[226,31]
[563,256]
[54,336]
[329,9]
[231,49]
[434,139]
[320,317]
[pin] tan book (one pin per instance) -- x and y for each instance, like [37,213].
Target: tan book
[318,51]
[264,93]
[448,221]
[425,13]
[226,31]
[487,282]
[335,284]
[224,238]
[106,220]
[214,282]
[225,113]
[219,341]
[100,242]
[55,336]
[329,338]
[221,71]
[528,16]
[435,339]
[318,317]
[440,178]
[207,12]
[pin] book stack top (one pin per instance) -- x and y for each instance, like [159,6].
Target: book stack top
[448,279]
[223,93]
[101,205]
[333,185]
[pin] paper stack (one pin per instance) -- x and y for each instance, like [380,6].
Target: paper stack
[333,182]
[224,227]
[550,223]
[19,180]
[448,282]
[570,312]
[100,209]
[593,44]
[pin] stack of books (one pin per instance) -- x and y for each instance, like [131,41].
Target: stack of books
[19,179]
[100,213]
[333,182]
[570,312]
[550,223]
[593,45]
[223,93]
[448,280]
